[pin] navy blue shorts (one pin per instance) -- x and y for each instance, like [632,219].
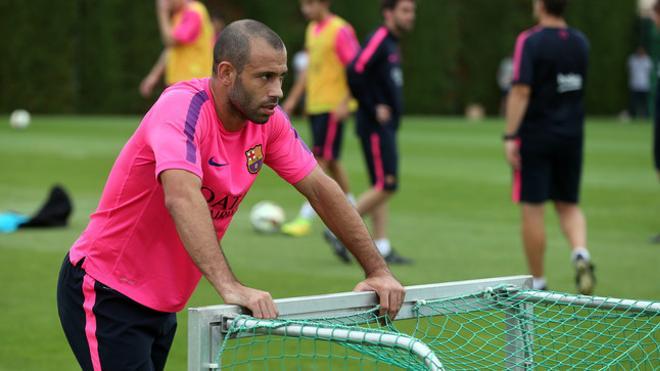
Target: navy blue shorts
[327,136]
[108,331]
[379,147]
[551,168]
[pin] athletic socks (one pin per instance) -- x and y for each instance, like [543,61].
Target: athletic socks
[580,253]
[539,283]
[383,246]
[307,211]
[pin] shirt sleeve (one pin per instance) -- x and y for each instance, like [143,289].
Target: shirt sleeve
[346,44]
[173,132]
[286,152]
[188,28]
[523,62]
[361,90]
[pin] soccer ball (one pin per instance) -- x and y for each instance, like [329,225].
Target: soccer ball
[266,217]
[19,119]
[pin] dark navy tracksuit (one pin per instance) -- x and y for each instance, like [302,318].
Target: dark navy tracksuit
[375,77]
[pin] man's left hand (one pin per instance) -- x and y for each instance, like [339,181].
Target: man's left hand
[512,153]
[390,292]
[341,112]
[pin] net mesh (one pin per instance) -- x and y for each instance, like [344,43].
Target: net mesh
[492,329]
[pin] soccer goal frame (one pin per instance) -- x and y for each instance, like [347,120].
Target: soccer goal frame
[208,325]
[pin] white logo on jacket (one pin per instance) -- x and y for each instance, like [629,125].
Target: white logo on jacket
[568,82]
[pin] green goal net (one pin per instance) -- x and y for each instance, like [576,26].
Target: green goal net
[505,326]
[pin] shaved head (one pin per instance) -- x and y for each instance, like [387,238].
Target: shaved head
[235,42]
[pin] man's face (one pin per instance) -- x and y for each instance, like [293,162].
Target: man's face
[403,15]
[258,88]
[312,9]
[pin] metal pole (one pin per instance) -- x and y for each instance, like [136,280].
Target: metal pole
[399,341]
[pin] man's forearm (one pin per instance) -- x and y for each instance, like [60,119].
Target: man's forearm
[297,91]
[516,107]
[195,228]
[343,220]
[159,68]
[164,25]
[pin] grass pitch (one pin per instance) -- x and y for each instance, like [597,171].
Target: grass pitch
[453,216]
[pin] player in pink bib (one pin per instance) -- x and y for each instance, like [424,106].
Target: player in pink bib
[170,197]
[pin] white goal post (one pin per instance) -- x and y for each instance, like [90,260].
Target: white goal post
[207,325]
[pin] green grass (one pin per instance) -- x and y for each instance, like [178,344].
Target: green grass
[453,215]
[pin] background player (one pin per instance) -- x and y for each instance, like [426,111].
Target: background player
[170,197]
[188,36]
[331,44]
[376,80]
[656,118]
[544,135]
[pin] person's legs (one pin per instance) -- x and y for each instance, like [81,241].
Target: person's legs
[371,199]
[379,219]
[656,136]
[327,136]
[566,176]
[338,173]
[656,146]
[107,330]
[161,347]
[72,314]
[533,237]
[531,188]
[573,224]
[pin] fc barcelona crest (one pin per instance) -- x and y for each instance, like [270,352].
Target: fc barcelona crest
[255,159]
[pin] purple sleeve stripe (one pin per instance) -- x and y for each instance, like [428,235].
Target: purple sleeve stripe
[192,117]
[370,49]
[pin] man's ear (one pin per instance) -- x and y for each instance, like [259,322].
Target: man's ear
[226,73]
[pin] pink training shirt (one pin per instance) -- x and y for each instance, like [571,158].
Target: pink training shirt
[131,243]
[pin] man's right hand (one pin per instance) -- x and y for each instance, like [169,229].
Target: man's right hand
[383,113]
[390,292]
[260,303]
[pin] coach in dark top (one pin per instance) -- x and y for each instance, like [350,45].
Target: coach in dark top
[376,80]
[544,135]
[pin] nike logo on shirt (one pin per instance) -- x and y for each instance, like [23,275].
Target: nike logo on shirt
[216,164]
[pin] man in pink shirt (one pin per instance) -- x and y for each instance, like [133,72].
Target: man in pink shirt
[170,197]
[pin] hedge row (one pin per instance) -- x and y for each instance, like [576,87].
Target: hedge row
[88,56]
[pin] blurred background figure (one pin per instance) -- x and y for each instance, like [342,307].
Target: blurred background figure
[300,63]
[656,118]
[544,137]
[504,76]
[376,80]
[188,35]
[331,44]
[639,82]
